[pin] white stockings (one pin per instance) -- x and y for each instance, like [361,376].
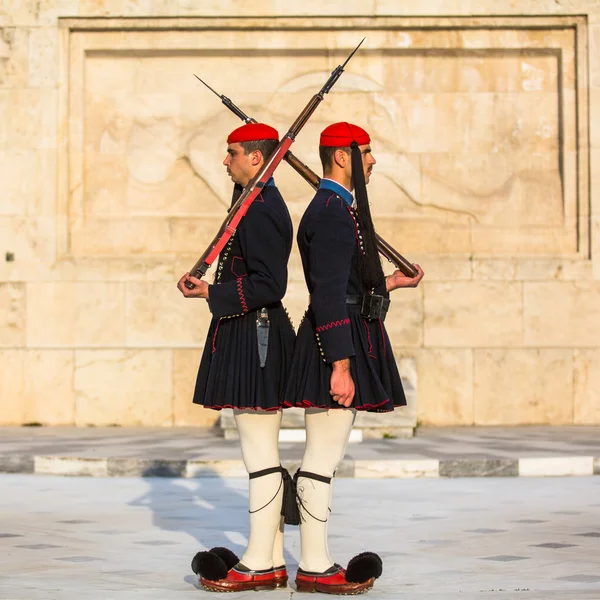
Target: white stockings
[327,433]
[259,434]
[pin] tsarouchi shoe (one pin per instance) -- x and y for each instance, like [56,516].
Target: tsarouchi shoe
[219,570]
[358,578]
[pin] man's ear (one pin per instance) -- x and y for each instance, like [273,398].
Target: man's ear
[256,158]
[340,158]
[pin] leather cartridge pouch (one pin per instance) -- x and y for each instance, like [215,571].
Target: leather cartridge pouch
[374,306]
[262,334]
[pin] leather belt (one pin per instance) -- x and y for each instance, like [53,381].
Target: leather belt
[354,300]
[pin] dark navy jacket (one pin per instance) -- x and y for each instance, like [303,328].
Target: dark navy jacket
[252,269]
[328,239]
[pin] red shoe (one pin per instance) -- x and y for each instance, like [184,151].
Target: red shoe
[332,581]
[281,576]
[242,579]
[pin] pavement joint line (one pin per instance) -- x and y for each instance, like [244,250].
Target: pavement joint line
[556,466]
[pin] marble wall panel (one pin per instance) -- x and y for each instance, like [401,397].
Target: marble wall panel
[123,387]
[473,314]
[158,315]
[520,387]
[445,392]
[154,153]
[562,314]
[36,386]
[586,380]
[12,314]
[43,57]
[404,321]
[185,412]
[76,314]
[28,181]
[14,52]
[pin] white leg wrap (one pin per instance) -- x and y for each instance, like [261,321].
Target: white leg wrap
[327,433]
[259,433]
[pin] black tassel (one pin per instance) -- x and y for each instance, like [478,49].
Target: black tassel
[363,567]
[369,264]
[289,506]
[209,566]
[227,556]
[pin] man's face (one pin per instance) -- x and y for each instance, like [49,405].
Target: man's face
[368,160]
[240,166]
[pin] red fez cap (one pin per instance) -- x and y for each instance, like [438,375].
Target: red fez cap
[343,134]
[252,132]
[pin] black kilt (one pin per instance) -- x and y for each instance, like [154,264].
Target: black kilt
[230,375]
[376,379]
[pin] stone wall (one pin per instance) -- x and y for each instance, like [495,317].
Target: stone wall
[485,118]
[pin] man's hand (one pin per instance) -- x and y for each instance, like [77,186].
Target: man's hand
[200,289]
[342,386]
[399,280]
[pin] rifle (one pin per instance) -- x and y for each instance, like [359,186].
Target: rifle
[255,185]
[385,249]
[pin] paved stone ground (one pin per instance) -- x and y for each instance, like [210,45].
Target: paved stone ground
[191,452]
[441,539]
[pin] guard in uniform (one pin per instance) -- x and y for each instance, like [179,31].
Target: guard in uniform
[246,360]
[343,360]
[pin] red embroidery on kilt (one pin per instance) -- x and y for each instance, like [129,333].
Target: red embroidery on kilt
[240,291]
[214,341]
[360,249]
[382,338]
[332,325]
[370,352]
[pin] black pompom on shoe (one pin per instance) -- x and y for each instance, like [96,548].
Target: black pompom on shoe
[363,567]
[227,556]
[209,566]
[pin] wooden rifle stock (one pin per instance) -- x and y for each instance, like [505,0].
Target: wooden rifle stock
[255,185]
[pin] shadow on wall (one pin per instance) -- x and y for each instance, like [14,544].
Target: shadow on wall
[212,510]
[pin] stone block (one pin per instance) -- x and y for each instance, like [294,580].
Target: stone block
[12,314]
[523,387]
[123,387]
[562,314]
[586,380]
[158,315]
[215,468]
[36,386]
[495,269]
[33,244]
[404,321]
[479,467]
[34,120]
[16,464]
[12,409]
[396,469]
[445,393]
[443,268]
[185,370]
[23,194]
[66,465]
[76,314]
[43,58]
[14,57]
[120,236]
[556,466]
[478,314]
[140,467]
[540,269]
